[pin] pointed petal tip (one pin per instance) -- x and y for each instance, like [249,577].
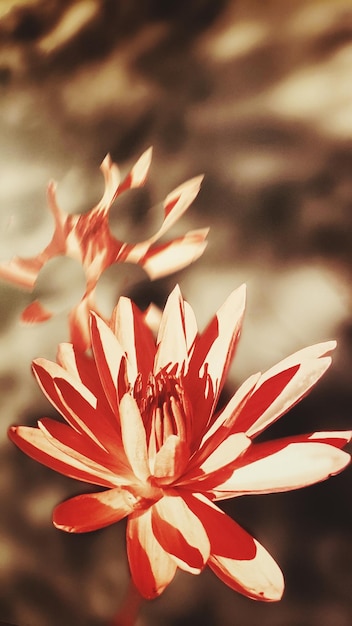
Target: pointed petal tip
[326,347]
[11,432]
[107,160]
[242,290]
[238,297]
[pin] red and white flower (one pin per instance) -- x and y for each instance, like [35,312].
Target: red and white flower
[142,424]
[87,238]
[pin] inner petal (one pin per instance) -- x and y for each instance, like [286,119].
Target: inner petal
[170,460]
[165,411]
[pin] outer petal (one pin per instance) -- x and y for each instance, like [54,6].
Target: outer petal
[213,354]
[138,173]
[174,255]
[236,558]
[271,399]
[33,442]
[49,375]
[285,464]
[91,511]
[227,326]
[22,272]
[82,366]
[88,419]
[151,567]
[220,430]
[180,532]
[66,358]
[74,444]
[177,202]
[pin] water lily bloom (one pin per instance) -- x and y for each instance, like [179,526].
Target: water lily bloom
[142,424]
[87,238]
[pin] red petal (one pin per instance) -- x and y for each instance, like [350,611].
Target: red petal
[220,429]
[170,460]
[213,467]
[236,558]
[34,443]
[151,567]
[88,419]
[177,202]
[82,366]
[180,532]
[272,397]
[35,313]
[134,437]
[48,374]
[171,341]
[107,355]
[76,445]
[213,353]
[91,511]
[264,395]
[285,464]
[174,255]
[135,338]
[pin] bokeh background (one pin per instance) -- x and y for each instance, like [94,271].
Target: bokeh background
[258,97]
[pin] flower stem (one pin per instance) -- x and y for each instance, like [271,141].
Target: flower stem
[128,612]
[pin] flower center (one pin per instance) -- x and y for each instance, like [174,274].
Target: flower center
[164,407]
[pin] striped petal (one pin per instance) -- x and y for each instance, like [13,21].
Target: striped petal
[73,443]
[152,569]
[221,428]
[226,327]
[134,437]
[174,255]
[36,444]
[91,511]
[177,202]
[180,532]
[46,371]
[87,419]
[170,460]
[74,401]
[212,356]
[135,338]
[134,179]
[236,558]
[108,355]
[171,340]
[286,464]
[82,366]
[218,461]
[310,364]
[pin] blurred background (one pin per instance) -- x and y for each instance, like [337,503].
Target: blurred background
[258,97]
